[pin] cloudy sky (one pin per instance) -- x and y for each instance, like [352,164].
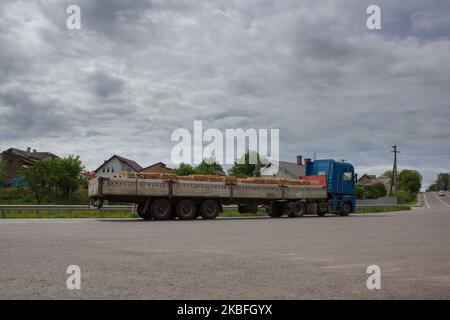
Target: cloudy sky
[137,70]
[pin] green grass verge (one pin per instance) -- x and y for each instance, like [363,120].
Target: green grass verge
[115,214]
[65,214]
[235,213]
[382,209]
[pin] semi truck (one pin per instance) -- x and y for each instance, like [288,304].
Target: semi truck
[328,187]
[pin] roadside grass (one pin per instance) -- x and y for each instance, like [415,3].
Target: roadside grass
[235,213]
[413,202]
[26,214]
[382,209]
[61,214]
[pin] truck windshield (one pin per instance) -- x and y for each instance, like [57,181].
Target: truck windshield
[348,175]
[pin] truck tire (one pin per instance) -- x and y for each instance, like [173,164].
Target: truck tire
[346,209]
[186,210]
[313,208]
[142,213]
[209,209]
[297,209]
[161,209]
[275,211]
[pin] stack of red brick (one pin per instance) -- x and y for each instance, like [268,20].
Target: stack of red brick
[211,178]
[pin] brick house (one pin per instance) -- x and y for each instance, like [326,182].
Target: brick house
[15,159]
[158,167]
[368,180]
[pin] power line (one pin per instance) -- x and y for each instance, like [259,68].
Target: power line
[426,154]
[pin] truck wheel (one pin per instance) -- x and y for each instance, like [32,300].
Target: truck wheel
[321,213]
[346,209]
[209,209]
[275,211]
[161,209]
[297,209]
[141,213]
[186,210]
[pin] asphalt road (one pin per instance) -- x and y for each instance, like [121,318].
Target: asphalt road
[264,258]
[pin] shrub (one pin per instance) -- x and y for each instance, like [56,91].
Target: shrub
[405,197]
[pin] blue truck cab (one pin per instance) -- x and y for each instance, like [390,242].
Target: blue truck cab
[340,184]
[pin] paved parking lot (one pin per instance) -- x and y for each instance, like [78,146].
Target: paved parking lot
[260,258]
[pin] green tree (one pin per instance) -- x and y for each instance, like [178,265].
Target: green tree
[388,173]
[441,182]
[53,178]
[374,191]
[379,190]
[410,180]
[359,192]
[38,178]
[209,167]
[66,174]
[406,197]
[249,165]
[184,169]
[3,173]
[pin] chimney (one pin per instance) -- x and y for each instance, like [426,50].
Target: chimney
[299,160]
[34,150]
[307,160]
[28,150]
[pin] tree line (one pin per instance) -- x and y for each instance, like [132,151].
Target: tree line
[409,184]
[241,168]
[441,182]
[58,179]
[53,179]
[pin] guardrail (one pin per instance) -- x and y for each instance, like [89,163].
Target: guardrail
[67,208]
[45,207]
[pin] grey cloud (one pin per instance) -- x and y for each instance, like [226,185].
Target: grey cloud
[138,70]
[23,116]
[105,85]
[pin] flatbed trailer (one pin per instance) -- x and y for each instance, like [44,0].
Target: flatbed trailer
[163,199]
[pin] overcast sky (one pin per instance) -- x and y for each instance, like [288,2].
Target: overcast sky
[137,70]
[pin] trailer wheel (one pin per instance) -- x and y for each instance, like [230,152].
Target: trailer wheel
[161,209]
[313,208]
[186,210]
[209,209]
[141,213]
[346,209]
[275,211]
[297,210]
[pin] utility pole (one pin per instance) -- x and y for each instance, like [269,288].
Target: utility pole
[394,172]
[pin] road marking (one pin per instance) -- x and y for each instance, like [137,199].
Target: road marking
[440,200]
[425,198]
